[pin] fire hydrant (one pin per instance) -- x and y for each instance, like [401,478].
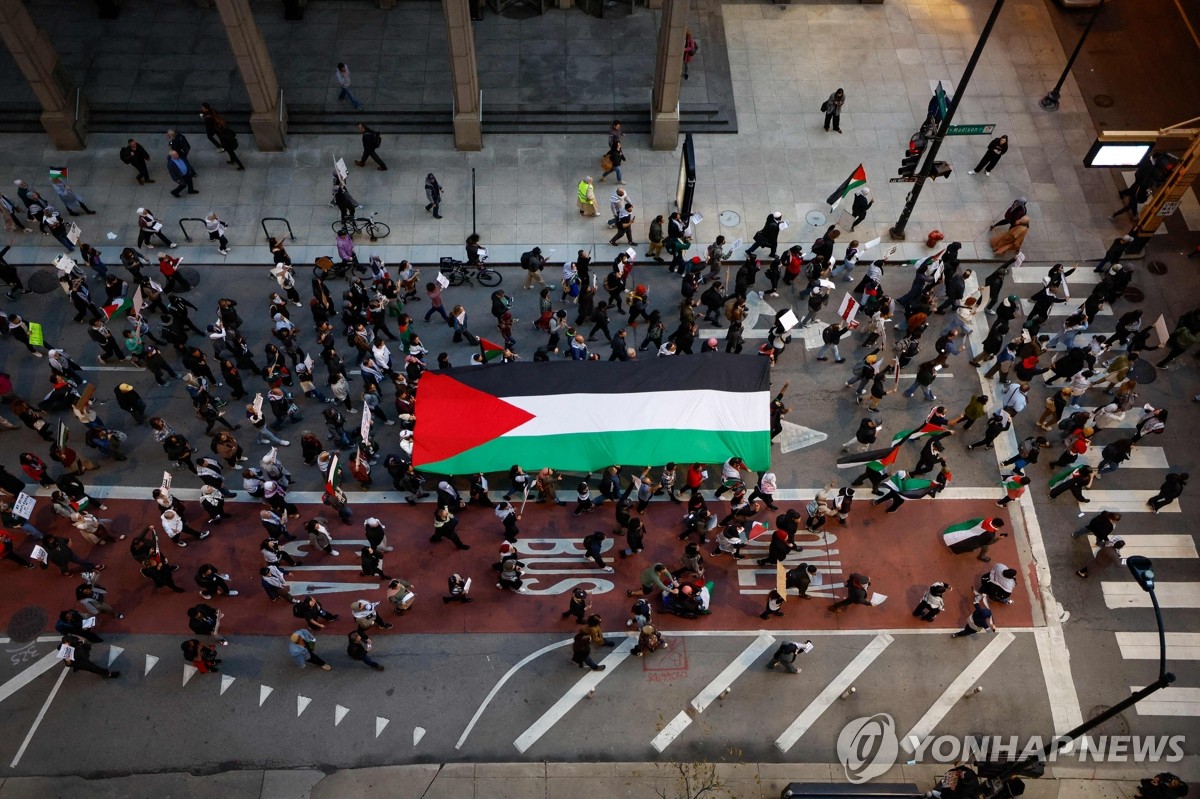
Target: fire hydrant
[934,237]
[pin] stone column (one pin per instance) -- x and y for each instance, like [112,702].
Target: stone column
[468,124]
[38,61]
[268,118]
[668,75]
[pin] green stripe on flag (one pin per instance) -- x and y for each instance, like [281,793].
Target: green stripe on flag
[961,526]
[584,452]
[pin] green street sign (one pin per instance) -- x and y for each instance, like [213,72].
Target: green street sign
[970,130]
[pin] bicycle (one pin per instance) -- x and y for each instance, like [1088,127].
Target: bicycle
[459,273]
[362,224]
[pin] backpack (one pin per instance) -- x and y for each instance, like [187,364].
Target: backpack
[299,610]
[812,270]
[376,138]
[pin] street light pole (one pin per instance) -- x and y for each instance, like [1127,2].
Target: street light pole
[1050,101]
[1143,572]
[910,202]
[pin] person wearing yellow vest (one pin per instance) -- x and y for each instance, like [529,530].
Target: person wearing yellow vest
[587,198]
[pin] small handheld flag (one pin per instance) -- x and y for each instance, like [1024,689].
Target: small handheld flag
[857,178]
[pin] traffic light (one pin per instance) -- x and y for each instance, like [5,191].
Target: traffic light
[1142,570]
[908,164]
[941,169]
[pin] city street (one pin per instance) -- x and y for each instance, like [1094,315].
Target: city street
[492,681]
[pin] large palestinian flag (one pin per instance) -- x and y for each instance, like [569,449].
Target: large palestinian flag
[585,415]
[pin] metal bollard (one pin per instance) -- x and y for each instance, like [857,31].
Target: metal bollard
[978,689]
[849,692]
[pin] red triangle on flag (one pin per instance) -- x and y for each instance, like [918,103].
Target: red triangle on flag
[453,418]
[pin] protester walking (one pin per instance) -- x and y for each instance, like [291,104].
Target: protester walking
[342,76]
[995,151]
[833,110]
[371,139]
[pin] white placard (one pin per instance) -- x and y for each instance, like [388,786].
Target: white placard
[737,245]
[442,280]
[483,253]
[166,483]
[39,553]
[890,252]
[632,253]
[308,363]
[339,168]
[364,430]
[788,320]
[258,403]
[73,233]
[848,309]
[23,506]
[66,652]
[89,622]
[784,225]
[870,245]
[65,264]
[408,597]
[697,219]
[467,586]
[878,599]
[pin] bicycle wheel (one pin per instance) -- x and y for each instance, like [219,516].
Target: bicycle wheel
[456,276]
[377,230]
[488,277]
[340,226]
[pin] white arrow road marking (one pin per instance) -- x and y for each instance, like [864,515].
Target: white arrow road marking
[339,713]
[189,671]
[418,734]
[29,674]
[114,652]
[226,681]
[298,589]
[572,697]
[37,721]
[380,723]
[795,437]
[297,548]
[263,692]
[954,692]
[829,695]
[302,702]
[713,690]
[1144,646]
[151,662]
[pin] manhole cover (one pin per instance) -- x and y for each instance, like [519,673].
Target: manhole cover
[1156,268]
[815,218]
[1143,371]
[27,624]
[1133,294]
[42,281]
[1103,101]
[190,275]
[730,218]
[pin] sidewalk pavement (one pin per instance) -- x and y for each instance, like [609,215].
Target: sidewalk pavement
[529,781]
[784,60]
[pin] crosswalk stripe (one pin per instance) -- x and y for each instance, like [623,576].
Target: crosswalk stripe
[1129,422]
[1170,595]
[573,696]
[1065,308]
[1144,646]
[787,739]
[954,692]
[1173,702]
[1123,502]
[1085,273]
[1140,458]
[1158,547]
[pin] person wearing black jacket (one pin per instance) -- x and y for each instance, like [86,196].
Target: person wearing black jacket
[70,622]
[206,620]
[229,141]
[768,236]
[371,139]
[995,151]
[81,658]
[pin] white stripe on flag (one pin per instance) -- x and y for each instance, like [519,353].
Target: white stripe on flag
[558,414]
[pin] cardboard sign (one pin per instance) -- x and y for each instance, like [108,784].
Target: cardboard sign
[784,225]
[364,430]
[73,233]
[632,253]
[781,580]
[85,396]
[848,309]
[1160,331]
[166,483]
[89,622]
[23,506]
[339,169]
[467,586]
[788,320]
[442,280]
[36,336]
[66,652]
[258,403]
[61,435]
[870,245]
[878,599]
[65,264]
[39,553]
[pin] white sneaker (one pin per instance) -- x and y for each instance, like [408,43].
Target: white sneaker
[205,535]
[970,172]
[285,443]
[173,245]
[223,576]
[223,252]
[608,569]
[180,543]
[334,552]
[232,592]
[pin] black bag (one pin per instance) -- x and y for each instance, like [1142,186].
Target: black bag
[825,107]
[300,610]
[376,138]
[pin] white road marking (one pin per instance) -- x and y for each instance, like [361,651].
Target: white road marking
[713,690]
[954,692]
[572,697]
[111,369]
[38,721]
[189,671]
[380,724]
[418,732]
[1055,659]
[1158,547]
[1129,422]
[302,703]
[226,681]
[672,730]
[1140,458]
[1170,595]
[1171,702]
[831,692]
[151,662]
[795,437]
[1065,308]
[339,713]
[1123,502]
[1144,646]
[29,674]
[1085,273]
[263,692]
[114,652]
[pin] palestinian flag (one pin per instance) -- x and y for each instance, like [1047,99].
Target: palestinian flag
[929,259]
[1063,476]
[585,415]
[880,459]
[490,351]
[968,535]
[857,178]
[333,478]
[122,305]
[926,430]
[58,173]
